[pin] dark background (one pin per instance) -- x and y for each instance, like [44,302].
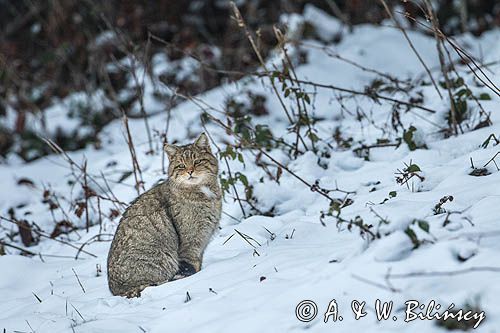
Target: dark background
[48,48]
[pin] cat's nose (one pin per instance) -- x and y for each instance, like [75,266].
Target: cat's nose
[190,171]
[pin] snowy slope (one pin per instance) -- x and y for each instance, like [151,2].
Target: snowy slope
[255,285]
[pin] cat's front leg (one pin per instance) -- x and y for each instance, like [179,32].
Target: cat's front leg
[186,269]
[190,256]
[190,260]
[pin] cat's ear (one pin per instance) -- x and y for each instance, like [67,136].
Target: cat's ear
[171,150]
[202,142]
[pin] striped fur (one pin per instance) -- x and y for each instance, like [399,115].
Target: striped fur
[164,232]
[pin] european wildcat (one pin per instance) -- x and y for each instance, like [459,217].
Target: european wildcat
[163,234]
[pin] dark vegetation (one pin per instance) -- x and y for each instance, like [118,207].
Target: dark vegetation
[50,49]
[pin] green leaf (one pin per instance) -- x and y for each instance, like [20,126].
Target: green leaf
[485,97]
[307,99]
[124,176]
[230,152]
[424,225]
[248,192]
[463,92]
[313,137]
[263,135]
[334,207]
[408,138]
[488,140]
[459,82]
[413,237]
[413,168]
[461,108]
[243,179]
[286,71]
[224,184]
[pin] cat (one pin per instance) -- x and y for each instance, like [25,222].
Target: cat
[164,232]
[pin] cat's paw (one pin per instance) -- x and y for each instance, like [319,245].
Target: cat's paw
[133,293]
[177,277]
[185,269]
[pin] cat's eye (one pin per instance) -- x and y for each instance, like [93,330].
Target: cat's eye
[181,166]
[198,162]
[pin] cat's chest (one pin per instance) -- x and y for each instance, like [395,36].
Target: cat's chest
[197,206]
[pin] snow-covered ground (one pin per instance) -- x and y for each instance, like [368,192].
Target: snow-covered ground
[255,284]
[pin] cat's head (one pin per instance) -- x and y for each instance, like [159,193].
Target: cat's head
[192,164]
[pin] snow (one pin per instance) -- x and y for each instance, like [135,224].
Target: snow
[255,284]
[326,26]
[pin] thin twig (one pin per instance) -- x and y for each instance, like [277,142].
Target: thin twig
[86,194]
[241,23]
[42,234]
[464,56]
[442,62]
[41,255]
[219,152]
[493,160]
[78,279]
[135,164]
[446,273]
[363,93]
[91,240]
[411,46]
[376,284]
[57,149]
